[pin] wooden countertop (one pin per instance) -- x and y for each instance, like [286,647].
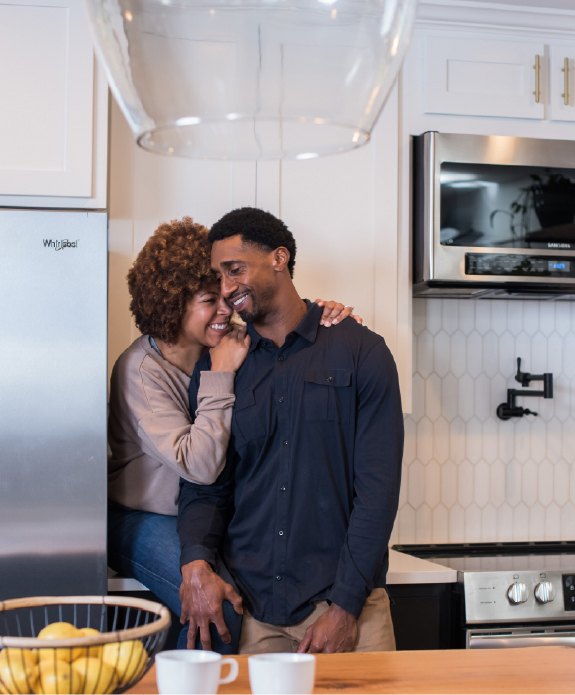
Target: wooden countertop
[513,670]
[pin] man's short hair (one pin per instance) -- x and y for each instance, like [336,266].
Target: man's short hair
[256,227]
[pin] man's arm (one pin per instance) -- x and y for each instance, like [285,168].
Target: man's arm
[203,516]
[377,475]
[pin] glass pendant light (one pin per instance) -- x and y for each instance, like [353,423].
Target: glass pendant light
[251,79]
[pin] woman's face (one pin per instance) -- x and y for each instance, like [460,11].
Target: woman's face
[206,319]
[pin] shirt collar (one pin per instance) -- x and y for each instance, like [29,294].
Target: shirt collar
[307,328]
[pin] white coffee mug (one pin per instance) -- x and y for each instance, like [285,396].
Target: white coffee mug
[191,671]
[282,673]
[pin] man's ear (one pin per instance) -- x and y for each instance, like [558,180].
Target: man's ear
[280,258]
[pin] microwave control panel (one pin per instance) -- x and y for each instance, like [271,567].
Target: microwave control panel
[519,265]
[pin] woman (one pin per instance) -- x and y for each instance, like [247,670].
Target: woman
[154,439]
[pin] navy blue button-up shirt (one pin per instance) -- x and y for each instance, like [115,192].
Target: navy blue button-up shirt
[304,508]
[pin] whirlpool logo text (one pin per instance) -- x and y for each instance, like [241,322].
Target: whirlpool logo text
[60,244]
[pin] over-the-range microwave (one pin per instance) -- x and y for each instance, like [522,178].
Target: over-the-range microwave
[493,217]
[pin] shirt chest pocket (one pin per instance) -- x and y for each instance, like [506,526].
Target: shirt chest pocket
[248,424]
[328,395]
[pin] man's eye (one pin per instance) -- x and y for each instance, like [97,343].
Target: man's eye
[234,271]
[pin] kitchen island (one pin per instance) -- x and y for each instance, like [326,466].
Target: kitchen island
[520,670]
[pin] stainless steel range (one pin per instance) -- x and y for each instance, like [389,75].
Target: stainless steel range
[509,594]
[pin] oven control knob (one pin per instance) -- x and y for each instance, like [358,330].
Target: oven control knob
[517,593]
[544,592]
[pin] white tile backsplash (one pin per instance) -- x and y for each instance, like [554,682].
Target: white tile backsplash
[469,476]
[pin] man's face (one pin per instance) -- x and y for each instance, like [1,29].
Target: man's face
[247,275]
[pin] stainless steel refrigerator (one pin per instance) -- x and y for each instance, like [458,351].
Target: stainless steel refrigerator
[53,394]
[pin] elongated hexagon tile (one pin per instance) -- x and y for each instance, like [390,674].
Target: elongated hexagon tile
[474,440]
[568,521]
[418,391]
[531,317]
[449,483]
[409,441]
[474,354]
[465,483]
[466,397]
[432,485]
[440,522]
[507,363]
[529,482]
[472,523]
[457,431]
[424,355]
[536,522]
[419,316]
[497,483]
[466,315]
[561,479]
[513,483]
[521,522]
[457,524]
[424,524]
[433,397]
[481,484]
[563,317]
[483,407]
[415,484]
[458,354]
[504,523]
[424,443]
[499,311]
[546,319]
[441,439]
[434,315]
[483,317]
[537,439]
[489,528]
[449,397]
[490,353]
[545,482]
[552,522]
[442,354]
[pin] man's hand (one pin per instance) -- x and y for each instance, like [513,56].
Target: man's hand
[334,631]
[202,593]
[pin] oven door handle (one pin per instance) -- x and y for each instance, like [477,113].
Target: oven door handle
[509,639]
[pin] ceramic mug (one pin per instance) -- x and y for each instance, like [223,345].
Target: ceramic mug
[281,673]
[191,671]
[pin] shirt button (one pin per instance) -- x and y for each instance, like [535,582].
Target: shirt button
[281,399]
[281,358]
[285,442]
[280,533]
[283,488]
[329,380]
[278,578]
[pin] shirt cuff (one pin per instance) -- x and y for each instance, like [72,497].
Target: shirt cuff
[189,553]
[216,383]
[349,600]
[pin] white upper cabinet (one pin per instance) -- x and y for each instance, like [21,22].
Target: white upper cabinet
[490,71]
[53,120]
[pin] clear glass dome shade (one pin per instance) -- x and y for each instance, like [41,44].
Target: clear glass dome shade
[257,79]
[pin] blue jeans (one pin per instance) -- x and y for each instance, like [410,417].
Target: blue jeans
[146,546]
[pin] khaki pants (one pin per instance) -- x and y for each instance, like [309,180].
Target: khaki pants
[375,629]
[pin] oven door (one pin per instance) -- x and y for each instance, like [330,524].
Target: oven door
[499,637]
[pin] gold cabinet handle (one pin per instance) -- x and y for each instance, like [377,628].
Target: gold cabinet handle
[565,71]
[537,68]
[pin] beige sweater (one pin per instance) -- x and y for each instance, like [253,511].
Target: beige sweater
[151,438]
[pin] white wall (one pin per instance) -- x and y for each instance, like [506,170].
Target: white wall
[342,211]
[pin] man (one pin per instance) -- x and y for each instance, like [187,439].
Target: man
[303,511]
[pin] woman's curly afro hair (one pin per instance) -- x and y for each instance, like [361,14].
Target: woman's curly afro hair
[171,268]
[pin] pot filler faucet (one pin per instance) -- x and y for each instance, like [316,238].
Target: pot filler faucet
[510,408]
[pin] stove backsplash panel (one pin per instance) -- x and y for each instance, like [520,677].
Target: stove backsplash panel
[469,476]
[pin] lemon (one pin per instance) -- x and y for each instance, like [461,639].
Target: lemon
[59,631]
[59,677]
[18,671]
[95,651]
[127,658]
[96,676]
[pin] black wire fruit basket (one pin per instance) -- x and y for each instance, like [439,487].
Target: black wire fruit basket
[56,645]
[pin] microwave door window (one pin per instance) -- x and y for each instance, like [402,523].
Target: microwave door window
[506,206]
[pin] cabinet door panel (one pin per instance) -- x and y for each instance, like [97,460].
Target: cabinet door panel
[475,77]
[562,82]
[47,81]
